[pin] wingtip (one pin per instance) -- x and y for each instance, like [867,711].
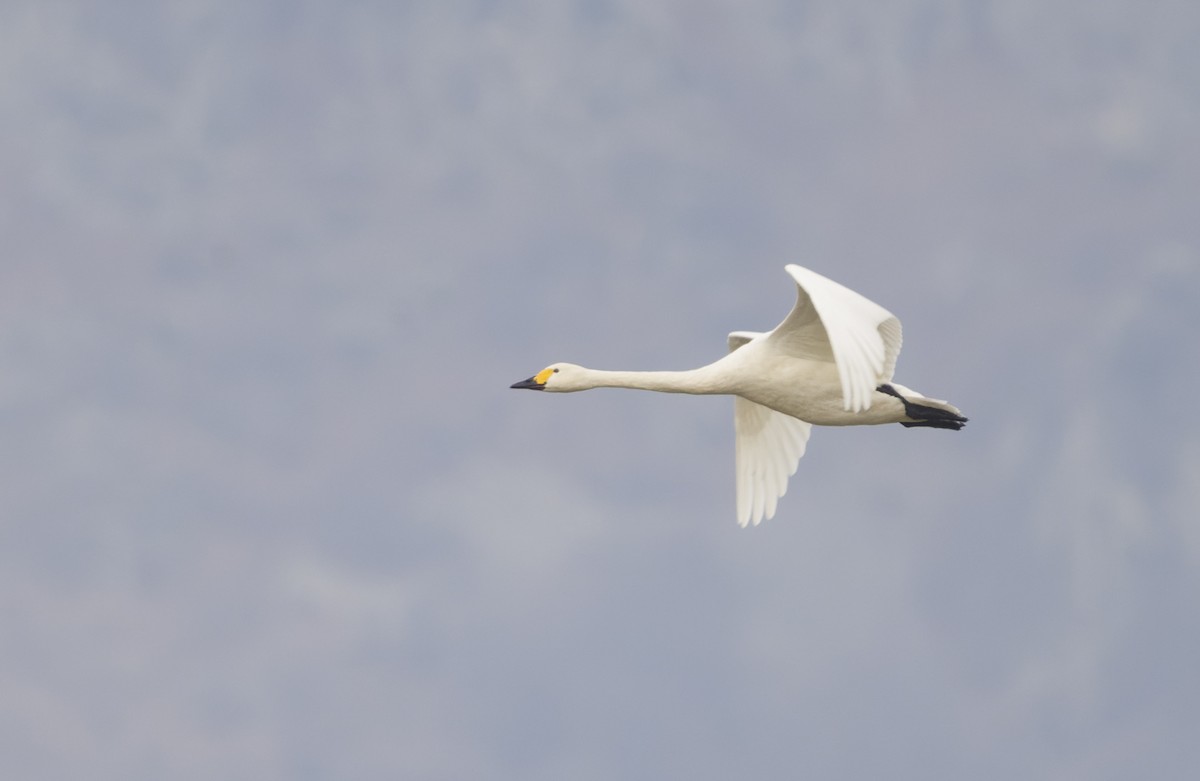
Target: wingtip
[755,519]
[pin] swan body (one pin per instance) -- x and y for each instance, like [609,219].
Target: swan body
[829,363]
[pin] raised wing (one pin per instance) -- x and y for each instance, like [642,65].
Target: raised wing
[833,323]
[768,447]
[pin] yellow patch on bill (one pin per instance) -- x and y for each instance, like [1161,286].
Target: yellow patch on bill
[541,377]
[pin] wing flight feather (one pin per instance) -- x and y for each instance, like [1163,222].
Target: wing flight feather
[862,337]
[768,447]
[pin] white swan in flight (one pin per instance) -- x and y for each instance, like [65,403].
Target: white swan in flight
[829,363]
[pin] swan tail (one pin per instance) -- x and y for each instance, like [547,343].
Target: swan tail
[925,412]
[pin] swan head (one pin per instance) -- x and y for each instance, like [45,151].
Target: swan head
[558,377]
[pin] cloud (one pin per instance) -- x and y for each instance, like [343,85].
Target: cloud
[272,510]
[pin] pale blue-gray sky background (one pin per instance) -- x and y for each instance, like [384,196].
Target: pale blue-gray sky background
[269,510]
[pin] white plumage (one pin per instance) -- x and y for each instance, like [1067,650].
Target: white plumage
[829,363]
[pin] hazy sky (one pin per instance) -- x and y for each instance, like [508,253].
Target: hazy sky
[270,511]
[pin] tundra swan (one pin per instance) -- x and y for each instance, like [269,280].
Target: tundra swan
[829,363]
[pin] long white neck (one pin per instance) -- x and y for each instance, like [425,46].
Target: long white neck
[699,381]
